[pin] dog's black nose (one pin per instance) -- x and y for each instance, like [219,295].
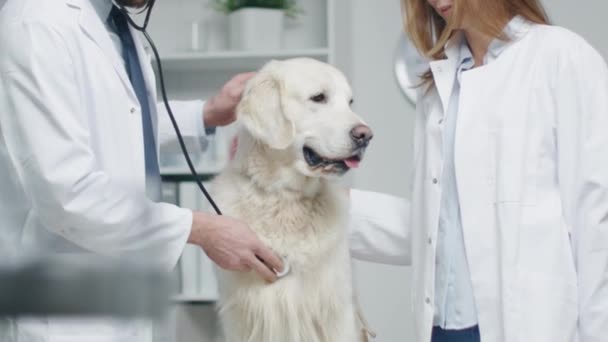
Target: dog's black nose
[361,135]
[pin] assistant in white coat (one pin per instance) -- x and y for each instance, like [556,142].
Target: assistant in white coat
[531,158]
[72,157]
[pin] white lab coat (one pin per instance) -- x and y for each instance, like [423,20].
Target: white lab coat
[531,156]
[72,156]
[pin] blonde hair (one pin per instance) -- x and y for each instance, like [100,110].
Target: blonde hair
[430,32]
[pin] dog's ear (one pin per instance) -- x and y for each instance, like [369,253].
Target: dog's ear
[261,111]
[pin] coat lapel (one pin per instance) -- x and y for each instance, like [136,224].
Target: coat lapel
[444,71]
[96,30]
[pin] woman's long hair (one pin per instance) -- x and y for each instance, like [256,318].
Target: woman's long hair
[430,32]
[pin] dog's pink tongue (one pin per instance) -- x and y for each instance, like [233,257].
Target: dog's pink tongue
[352,163]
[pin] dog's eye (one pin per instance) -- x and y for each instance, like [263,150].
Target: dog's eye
[319,98]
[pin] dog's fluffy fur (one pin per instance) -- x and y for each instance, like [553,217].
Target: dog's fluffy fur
[294,207]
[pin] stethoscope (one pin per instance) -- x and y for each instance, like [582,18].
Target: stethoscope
[197,178]
[143,30]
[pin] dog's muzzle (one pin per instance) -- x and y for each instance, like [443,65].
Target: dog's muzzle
[317,162]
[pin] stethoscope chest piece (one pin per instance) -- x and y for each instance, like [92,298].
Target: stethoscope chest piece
[286,268]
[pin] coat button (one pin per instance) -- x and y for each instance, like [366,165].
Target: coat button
[440,121]
[132,110]
[435,181]
[430,240]
[427,300]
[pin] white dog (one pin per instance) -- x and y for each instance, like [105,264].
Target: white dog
[299,133]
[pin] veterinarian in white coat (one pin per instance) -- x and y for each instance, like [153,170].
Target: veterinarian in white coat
[525,255]
[75,169]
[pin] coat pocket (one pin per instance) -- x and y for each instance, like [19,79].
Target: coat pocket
[548,308]
[511,169]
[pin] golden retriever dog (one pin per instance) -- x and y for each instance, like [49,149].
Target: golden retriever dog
[298,136]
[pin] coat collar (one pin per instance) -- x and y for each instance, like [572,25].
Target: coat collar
[444,71]
[93,26]
[515,30]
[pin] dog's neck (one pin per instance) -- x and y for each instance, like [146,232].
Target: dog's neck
[272,170]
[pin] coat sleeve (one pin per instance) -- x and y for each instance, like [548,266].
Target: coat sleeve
[581,102]
[379,228]
[47,135]
[380,224]
[189,118]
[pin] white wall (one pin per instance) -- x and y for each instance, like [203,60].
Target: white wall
[585,17]
[375,27]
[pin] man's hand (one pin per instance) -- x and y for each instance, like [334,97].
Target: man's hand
[233,246]
[220,110]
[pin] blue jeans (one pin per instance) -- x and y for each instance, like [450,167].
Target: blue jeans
[466,335]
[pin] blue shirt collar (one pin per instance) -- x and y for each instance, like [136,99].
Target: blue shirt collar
[515,30]
[465,59]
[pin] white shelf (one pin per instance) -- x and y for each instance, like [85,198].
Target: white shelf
[234,59]
[194,299]
[184,170]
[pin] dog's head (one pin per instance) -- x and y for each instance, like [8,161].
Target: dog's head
[304,106]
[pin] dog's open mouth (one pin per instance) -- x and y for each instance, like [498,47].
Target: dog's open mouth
[316,161]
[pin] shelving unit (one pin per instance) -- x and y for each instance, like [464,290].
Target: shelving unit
[194,299]
[195,272]
[182,173]
[199,74]
[227,60]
